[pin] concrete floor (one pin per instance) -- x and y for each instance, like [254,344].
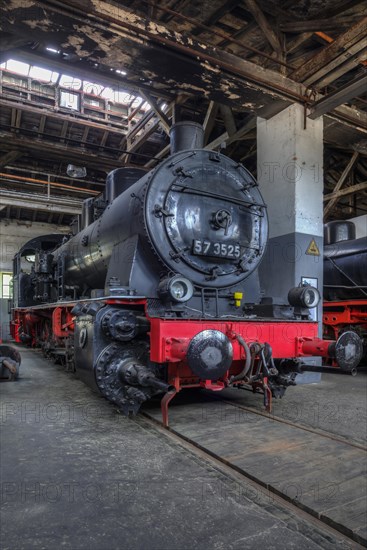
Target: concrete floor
[78,475]
[337,404]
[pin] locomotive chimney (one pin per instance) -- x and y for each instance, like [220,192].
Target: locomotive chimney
[185,136]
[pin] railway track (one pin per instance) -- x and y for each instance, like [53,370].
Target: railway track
[315,474]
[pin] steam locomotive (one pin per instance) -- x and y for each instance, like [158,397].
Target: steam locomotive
[345,282]
[158,289]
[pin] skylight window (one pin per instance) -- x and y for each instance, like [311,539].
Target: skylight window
[17,67]
[123,97]
[70,82]
[43,74]
[107,93]
[136,102]
[92,88]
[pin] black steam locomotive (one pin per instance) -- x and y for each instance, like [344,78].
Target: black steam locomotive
[345,282]
[158,289]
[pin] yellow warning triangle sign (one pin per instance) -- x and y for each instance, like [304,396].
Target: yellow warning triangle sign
[313,249]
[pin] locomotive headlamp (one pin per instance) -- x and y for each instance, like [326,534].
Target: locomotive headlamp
[304,296]
[176,288]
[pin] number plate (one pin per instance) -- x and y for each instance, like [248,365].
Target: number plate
[215,249]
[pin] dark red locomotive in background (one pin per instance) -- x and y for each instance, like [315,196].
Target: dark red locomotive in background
[159,288]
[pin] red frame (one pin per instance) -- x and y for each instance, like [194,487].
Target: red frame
[351,312]
[170,338]
[169,341]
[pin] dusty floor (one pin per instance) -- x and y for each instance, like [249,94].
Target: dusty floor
[78,475]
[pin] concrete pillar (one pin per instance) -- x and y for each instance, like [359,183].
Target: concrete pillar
[290,176]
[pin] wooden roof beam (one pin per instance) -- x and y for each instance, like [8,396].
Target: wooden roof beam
[347,191]
[340,183]
[59,116]
[9,157]
[164,120]
[338,97]
[319,24]
[209,119]
[347,44]
[228,119]
[268,31]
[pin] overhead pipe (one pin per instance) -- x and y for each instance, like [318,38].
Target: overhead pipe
[48,183]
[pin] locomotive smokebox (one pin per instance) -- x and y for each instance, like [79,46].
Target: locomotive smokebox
[185,136]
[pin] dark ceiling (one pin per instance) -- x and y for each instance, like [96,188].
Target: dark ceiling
[221,63]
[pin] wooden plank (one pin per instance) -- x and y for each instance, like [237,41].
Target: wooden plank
[85,134]
[40,110]
[57,150]
[42,123]
[338,97]
[357,188]
[64,130]
[264,25]
[218,141]
[162,153]
[209,119]
[238,135]
[104,139]
[350,63]
[18,118]
[346,61]
[228,120]
[331,53]
[9,157]
[319,24]
[164,120]
[341,181]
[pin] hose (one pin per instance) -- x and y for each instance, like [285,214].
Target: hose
[247,365]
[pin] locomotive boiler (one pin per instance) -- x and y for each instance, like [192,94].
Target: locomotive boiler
[158,290]
[345,282]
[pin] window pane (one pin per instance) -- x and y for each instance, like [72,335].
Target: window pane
[41,74]
[17,67]
[6,278]
[6,285]
[92,88]
[69,100]
[70,82]
[123,97]
[107,93]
